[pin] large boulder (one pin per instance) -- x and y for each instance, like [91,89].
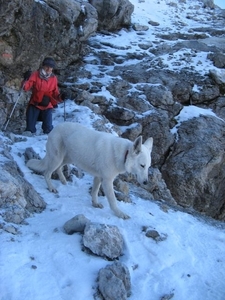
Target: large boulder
[195,169]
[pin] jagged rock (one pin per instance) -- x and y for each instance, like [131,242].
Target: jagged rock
[195,169]
[218,107]
[114,282]
[157,186]
[113,14]
[218,76]
[18,199]
[208,93]
[132,132]
[157,125]
[119,115]
[218,59]
[103,240]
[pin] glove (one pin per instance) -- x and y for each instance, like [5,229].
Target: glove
[26,75]
[45,101]
[64,96]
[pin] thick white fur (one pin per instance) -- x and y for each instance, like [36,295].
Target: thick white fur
[101,154]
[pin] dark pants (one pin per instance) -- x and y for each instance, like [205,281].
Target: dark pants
[35,114]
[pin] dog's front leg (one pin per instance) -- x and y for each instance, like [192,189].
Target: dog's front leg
[94,192]
[109,192]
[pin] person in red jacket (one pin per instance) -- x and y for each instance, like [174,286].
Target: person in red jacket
[45,96]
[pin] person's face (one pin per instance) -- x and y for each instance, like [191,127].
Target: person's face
[48,69]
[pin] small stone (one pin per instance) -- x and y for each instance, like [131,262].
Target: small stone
[76,224]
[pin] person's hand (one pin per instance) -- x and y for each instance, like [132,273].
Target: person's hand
[64,96]
[27,74]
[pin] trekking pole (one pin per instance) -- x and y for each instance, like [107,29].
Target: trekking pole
[64,103]
[20,92]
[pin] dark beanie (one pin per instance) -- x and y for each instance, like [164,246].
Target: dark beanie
[49,62]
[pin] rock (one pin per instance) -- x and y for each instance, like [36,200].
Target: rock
[195,169]
[76,224]
[62,21]
[114,282]
[153,23]
[113,14]
[218,107]
[208,93]
[132,132]
[218,59]
[208,3]
[119,115]
[11,229]
[18,199]
[103,240]
[157,186]
[156,125]
[31,154]
[218,76]
[153,234]
[138,27]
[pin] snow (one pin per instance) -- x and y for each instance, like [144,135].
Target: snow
[44,263]
[189,112]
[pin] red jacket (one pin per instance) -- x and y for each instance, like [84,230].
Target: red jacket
[42,87]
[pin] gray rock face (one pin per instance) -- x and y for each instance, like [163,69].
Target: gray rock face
[103,240]
[25,41]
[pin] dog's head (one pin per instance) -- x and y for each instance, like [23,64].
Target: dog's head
[139,159]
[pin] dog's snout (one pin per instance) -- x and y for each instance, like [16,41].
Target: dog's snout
[145,182]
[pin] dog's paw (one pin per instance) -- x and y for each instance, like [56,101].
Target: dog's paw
[122,215]
[97,205]
[53,190]
[125,217]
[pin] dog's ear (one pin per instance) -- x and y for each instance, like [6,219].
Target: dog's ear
[137,145]
[149,144]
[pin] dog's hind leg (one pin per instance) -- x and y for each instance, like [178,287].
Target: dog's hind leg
[109,192]
[94,192]
[62,178]
[48,175]
[53,165]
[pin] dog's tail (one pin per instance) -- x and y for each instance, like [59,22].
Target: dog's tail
[37,165]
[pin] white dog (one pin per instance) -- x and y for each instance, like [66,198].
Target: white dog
[101,154]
